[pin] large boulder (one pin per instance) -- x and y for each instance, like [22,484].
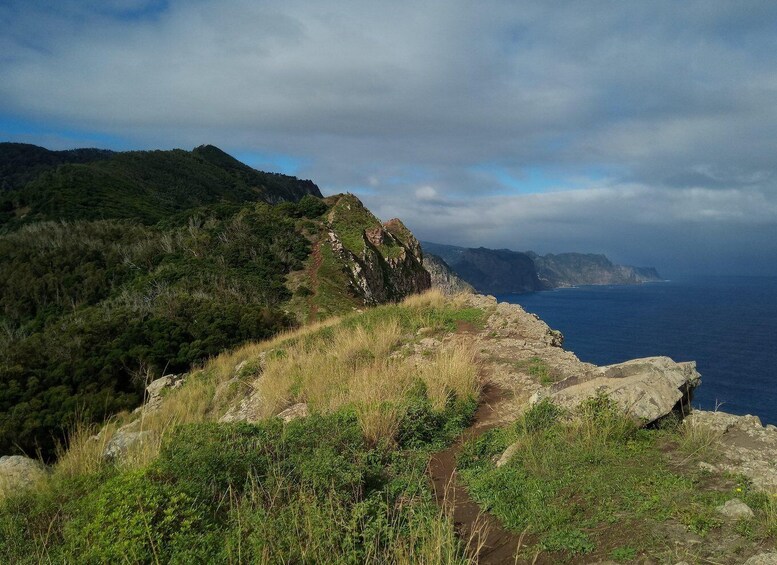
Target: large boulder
[19,472]
[646,389]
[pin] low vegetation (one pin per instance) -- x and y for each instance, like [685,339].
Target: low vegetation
[587,482]
[347,484]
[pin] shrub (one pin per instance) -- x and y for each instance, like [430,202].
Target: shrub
[135,517]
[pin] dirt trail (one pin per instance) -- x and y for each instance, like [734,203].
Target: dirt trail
[497,545]
[509,337]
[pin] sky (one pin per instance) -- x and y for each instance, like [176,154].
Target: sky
[643,130]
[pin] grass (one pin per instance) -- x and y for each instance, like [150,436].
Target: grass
[581,483]
[538,369]
[347,484]
[311,491]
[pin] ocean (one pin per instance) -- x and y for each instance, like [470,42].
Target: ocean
[728,325]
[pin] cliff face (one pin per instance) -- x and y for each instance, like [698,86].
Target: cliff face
[501,271]
[383,262]
[490,271]
[443,277]
[571,269]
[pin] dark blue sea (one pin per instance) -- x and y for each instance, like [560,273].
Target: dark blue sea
[728,325]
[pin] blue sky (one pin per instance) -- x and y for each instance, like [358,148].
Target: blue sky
[644,130]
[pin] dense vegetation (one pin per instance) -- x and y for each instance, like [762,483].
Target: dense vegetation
[347,484]
[93,309]
[145,186]
[117,267]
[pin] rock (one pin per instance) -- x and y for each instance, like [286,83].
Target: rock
[122,441]
[554,338]
[744,446]
[722,422]
[704,466]
[646,389]
[763,559]
[387,264]
[508,454]
[735,509]
[249,409]
[19,472]
[239,366]
[155,390]
[299,410]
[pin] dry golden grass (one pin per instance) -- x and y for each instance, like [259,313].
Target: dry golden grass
[347,365]
[362,369]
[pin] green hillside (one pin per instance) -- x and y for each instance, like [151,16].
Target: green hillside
[146,186]
[125,266]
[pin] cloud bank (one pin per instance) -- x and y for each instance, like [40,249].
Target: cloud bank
[642,129]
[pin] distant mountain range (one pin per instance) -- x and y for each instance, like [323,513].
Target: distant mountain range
[502,271]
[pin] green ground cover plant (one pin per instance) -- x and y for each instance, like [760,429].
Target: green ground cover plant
[576,480]
[310,491]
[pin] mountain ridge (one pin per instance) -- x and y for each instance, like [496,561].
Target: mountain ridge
[147,186]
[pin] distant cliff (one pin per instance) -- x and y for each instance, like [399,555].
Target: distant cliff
[572,269]
[502,271]
[443,277]
[491,271]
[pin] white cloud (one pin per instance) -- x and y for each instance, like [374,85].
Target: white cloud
[672,105]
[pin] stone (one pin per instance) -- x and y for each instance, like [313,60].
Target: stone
[508,454]
[735,509]
[744,446]
[708,467]
[249,409]
[156,389]
[295,412]
[762,559]
[19,472]
[122,441]
[646,389]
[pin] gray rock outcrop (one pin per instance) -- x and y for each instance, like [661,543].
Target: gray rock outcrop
[295,412]
[122,441]
[19,472]
[443,278]
[646,389]
[743,446]
[157,389]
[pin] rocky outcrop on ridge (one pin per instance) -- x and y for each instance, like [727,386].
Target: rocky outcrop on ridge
[384,262]
[742,446]
[646,389]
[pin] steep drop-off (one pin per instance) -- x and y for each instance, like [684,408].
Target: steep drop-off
[502,271]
